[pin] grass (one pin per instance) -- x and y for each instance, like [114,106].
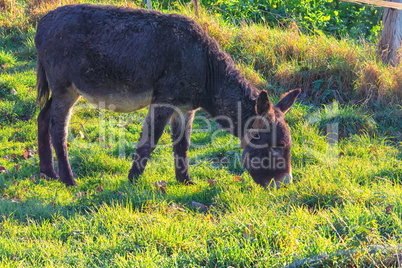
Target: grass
[344,209]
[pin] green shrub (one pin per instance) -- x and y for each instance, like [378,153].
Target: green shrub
[328,16]
[346,121]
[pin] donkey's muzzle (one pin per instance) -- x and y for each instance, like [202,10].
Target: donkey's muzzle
[286,179]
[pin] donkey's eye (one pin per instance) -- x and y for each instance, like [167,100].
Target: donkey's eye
[254,134]
[277,151]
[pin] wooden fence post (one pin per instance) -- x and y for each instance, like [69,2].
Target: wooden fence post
[391,36]
[196,8]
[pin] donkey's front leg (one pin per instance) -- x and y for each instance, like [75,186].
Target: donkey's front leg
[181,125]
[152,130]
[63,101]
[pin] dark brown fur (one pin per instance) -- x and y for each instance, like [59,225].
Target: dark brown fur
[107,50]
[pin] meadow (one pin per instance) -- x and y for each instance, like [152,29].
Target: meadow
[344,208]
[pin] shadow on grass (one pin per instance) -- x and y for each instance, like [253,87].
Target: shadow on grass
[19,203]
[368,256]
[220,158]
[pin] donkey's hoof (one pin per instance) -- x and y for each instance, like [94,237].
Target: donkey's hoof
[48,175]
[134,176]
[187,182]
[70,183]
[133,179]
[68,180]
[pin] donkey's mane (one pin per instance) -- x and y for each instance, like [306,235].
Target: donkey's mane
[221,65]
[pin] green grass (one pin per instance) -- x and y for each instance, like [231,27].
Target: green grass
[344,208]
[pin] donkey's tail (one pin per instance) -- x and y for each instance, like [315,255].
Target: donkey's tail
[42,85]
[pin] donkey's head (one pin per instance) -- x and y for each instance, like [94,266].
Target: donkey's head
[267,144]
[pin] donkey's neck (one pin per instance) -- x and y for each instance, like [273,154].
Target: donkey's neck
[233,104]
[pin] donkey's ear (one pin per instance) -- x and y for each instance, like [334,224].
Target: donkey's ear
[288,100]
[263,104]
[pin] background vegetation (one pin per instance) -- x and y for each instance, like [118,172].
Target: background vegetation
[328,16]
[344,208]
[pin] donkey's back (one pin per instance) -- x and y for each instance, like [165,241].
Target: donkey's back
[122,58]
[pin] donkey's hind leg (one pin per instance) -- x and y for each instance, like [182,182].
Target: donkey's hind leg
[181,131]
[152,130]
[46,164]
[64,99]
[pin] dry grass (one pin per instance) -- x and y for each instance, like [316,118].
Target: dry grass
[396,74]
[22,15]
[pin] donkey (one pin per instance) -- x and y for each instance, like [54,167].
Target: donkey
[127,59]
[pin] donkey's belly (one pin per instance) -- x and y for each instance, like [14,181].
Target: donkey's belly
[118,101]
